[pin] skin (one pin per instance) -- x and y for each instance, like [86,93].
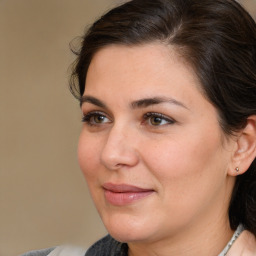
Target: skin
[245,245]
[184,158]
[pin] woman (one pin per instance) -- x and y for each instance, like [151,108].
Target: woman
[168,94]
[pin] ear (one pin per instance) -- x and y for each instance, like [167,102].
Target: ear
[245,151]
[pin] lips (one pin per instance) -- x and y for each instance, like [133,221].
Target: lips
[123,194]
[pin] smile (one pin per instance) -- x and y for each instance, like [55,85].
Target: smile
[122,194]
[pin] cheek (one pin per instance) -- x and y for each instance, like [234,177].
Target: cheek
[88,155]
[189,176]
[182,163]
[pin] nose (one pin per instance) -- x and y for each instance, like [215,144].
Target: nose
[120,149]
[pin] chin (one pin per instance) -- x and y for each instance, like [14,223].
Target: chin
[126,228]
[127,236]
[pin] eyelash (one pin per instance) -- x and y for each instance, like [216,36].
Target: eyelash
[87,118]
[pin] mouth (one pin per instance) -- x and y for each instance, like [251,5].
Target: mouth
[123,194]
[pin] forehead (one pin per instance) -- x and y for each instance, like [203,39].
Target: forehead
[139,65]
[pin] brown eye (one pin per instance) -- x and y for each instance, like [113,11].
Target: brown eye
[98,119]
[155,120]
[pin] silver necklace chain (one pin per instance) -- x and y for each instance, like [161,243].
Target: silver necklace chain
[238,231]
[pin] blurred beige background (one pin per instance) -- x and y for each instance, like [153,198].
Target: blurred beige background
[43,196]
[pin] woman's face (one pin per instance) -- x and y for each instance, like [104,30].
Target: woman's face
[151,148]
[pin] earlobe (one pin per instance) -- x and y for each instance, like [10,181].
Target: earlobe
[246,148]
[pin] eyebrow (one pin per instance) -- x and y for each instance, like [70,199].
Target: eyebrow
[92,100]
[142,103]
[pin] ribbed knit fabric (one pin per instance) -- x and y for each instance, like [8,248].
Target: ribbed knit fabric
[108,246]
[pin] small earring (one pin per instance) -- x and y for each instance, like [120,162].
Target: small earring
[237,169]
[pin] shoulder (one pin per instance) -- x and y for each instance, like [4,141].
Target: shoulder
[58,251]
[43,252]
[108,246]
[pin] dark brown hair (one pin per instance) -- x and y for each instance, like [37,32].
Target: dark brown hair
[218,39]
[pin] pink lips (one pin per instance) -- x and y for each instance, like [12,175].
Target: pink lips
[122,194]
